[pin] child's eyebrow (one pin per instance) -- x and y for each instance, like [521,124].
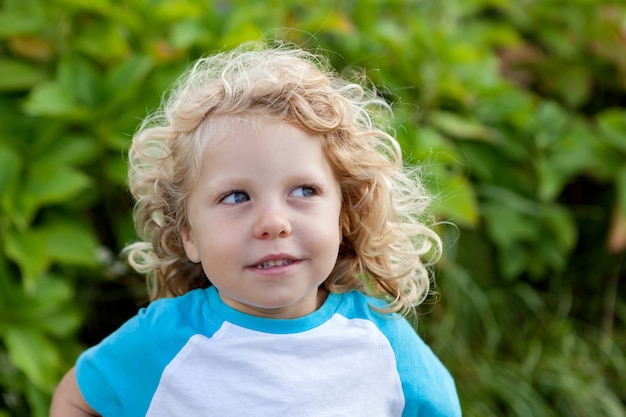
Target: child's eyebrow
[221,182]
[235,181]
[309,178]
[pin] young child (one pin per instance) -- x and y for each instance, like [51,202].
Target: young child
[282,237]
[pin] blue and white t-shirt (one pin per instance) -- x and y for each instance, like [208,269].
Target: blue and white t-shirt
[195,356]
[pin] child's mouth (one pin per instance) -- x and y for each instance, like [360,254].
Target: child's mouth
[272,263]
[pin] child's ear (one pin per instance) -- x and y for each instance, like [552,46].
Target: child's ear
[188,243]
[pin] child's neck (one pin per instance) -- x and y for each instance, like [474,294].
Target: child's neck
[322,295]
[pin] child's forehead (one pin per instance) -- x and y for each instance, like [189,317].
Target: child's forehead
[240,130]
[232,134]
[236,126]
[243,128]
[276,149]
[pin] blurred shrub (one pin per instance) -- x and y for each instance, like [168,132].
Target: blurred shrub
[515,110]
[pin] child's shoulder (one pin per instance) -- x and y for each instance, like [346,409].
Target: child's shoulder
[360,305]
[165,315]
[394,326]
[427,383]
[191,300]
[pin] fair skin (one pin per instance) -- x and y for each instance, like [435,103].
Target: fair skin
[264,220]
[264,224]
[68,400]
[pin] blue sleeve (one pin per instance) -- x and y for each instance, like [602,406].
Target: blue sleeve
[429,389]
[120,366]
[118,377]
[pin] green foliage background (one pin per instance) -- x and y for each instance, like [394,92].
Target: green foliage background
[516,109]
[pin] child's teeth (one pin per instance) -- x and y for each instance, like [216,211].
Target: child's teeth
[272,263]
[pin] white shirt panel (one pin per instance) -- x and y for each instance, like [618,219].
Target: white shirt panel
[345,367]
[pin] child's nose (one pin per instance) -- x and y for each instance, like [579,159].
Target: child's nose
[272,222]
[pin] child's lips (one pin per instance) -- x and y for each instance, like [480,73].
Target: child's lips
[273,261]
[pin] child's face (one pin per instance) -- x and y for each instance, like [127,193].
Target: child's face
[264,220]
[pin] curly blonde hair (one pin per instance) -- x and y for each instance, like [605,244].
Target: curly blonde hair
[387,245]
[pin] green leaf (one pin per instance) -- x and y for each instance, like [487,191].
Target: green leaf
[551,181]
[9,169]
[175,11]
[561,227]
[506,224]
[17,23]
[28,250]
[70,244]
[54,311]
[116,171]
[70,150]
[53,290]
[128,72]
[102,40]
[11,294]
[49,184]
[574,84]
[573,153]
[455,201]
[188,32]
[51,99]
[460,127]
[80,77]
[38,401]
[17,75]
[428,146]
[612,124]
[61,323]
[102,6]
[243,33]
[33,354]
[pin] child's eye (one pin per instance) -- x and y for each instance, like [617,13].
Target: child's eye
[235,197]
[304,191]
